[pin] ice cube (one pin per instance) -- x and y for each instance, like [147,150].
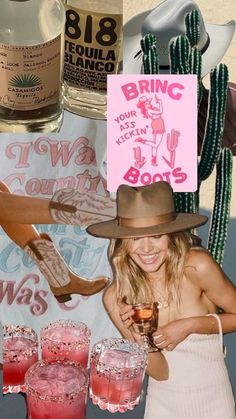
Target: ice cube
[56,379]
[115,358]
[54,334]
[17,343]
[133,361]
[62,335]
[43,386]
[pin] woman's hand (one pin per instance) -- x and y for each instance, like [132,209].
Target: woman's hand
[126,312]
[169,335]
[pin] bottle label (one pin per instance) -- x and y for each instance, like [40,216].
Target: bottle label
[92,48]
[30,76]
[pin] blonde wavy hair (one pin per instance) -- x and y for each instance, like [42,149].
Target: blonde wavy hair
[133,284]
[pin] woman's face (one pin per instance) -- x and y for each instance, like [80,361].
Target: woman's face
[149,253]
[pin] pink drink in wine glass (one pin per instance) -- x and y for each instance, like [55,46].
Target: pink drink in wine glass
[116,374]
[20,351]
[56,390]
[66,339]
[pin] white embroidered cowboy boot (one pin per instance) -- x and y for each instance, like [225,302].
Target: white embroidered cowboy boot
[62,281]
[68,206]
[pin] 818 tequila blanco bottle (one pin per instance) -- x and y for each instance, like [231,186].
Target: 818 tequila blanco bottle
[93,36]
[31,64]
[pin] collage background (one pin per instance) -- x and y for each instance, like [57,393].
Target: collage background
[214,11]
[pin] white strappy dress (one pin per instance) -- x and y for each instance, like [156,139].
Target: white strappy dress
[198,386]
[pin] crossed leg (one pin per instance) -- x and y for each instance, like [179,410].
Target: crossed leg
[16,216]
[12,210]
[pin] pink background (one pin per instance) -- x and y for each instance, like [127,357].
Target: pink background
[180,115]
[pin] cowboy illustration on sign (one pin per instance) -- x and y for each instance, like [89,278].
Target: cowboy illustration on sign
[151,129]
[158,130]
[157,124]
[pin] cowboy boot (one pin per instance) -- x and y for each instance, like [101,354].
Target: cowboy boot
[68,206]
[62,281]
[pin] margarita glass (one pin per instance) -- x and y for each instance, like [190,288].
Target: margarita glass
[56,390]
[66,339]
[117,371]
[20,351]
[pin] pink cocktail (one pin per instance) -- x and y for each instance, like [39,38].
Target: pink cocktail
[66,339]
[117,370]
[20,351]
[56,390]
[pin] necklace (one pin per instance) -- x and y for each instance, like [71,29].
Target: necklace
[162,304]
[161,301]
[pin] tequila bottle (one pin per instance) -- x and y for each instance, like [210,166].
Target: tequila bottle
[31,64]
[93,37]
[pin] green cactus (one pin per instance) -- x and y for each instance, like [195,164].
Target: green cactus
[195,64]
[215,122]
[185,202]
[150,57]
[192,25]
[192,30]
[221,210]
[181,52]
[185,58]
[173,62]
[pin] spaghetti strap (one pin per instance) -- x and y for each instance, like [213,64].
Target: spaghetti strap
[222,347]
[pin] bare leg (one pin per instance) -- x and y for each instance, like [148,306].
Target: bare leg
[21,234]
[22,209]
[41,249]
[67,206]
[154,156]
[158,139]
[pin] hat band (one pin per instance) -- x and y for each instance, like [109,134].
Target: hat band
[146,221]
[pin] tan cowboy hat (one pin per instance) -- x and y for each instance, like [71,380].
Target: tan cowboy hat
[166,21]
[146,211]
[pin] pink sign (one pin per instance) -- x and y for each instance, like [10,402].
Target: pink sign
[152,131]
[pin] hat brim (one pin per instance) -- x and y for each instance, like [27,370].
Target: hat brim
[111,229]
[220,39]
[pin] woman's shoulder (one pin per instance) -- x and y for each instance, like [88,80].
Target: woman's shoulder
[109,295]
[199,260]
[110,302]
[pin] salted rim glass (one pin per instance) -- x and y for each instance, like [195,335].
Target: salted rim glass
[18,358]
[66,397]
[122,345]
[112,386]
[57,344]
[19,331]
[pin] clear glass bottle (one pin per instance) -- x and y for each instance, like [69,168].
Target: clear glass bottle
[31,65]
[93,38]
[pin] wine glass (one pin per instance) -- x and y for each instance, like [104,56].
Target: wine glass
[145,317]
